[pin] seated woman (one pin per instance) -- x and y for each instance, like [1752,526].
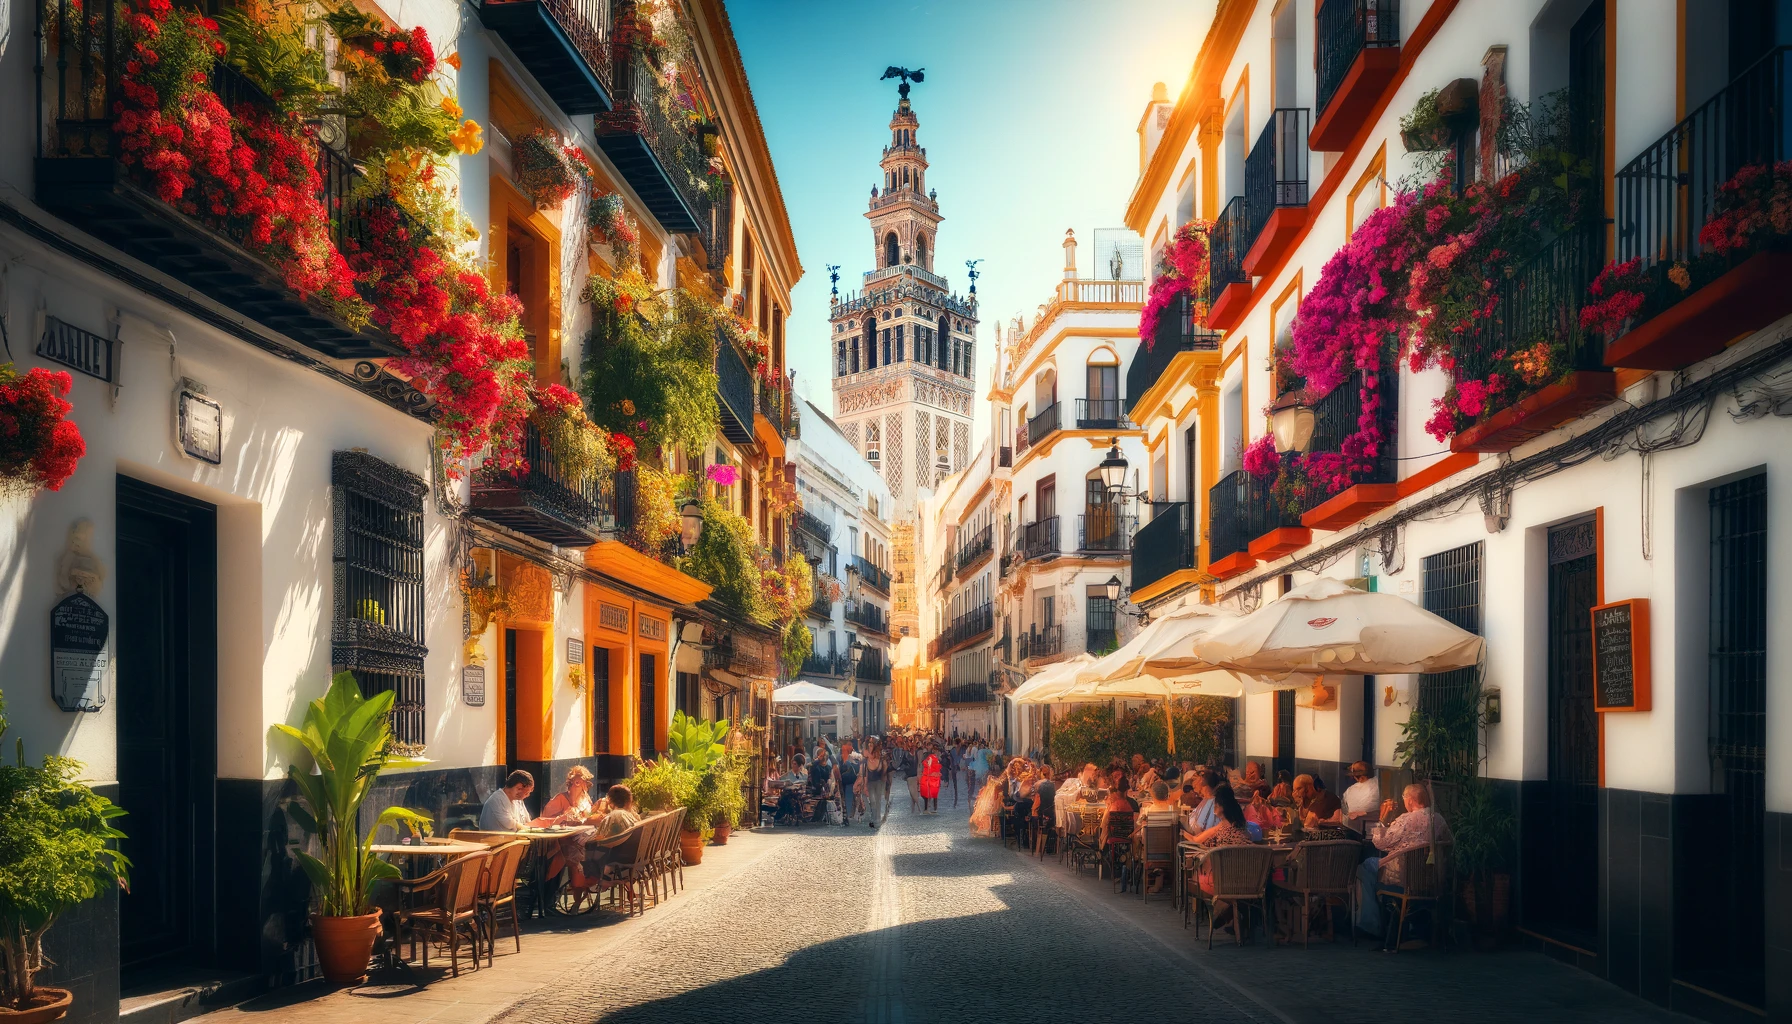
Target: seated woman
[1232,829]
[572,805]
[986,812]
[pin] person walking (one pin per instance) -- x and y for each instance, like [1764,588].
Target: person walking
[930,782]
[952,764]
[849,782]
[911,771]
[874,783]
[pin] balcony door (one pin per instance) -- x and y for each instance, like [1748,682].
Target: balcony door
[1048,498]
[1586,88]
[1104,393]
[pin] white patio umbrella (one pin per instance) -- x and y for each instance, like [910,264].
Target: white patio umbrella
[1044,685]
[1160,645]
[1328,627]
[805,692]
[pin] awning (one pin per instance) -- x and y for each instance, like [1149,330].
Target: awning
[805,692]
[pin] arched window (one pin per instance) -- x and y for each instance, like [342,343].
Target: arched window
[921,250]
[940,348]
[869,340]
[970,359]
[892,250]
[899,343]
[840,359]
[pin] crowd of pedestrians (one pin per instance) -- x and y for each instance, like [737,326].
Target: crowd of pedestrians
[853,780]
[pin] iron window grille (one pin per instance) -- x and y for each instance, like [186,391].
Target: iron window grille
[1452,587]
[378,569]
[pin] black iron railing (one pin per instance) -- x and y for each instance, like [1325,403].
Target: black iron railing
[868,616]
[825,665]
[1101,639]
[1040,538]
[1164,545]
[872,668]
[1102,414]
[586,25]
[873,576]
[1275,170]
[967,626]
[1044,423]
[1229,240]
[976,548]
[1338,414]
[809,523]
[969,693]
[1345,29]
[1105,529]
[1664,196]
[1177,332]
[773,405]
[1540,302]
[1005,456]
[1040,642]
[734,391]
[1228,515]
[680,150]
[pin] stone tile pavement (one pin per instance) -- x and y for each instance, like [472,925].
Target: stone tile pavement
[920,922]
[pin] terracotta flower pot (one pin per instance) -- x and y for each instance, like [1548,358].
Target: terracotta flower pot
[47,1004]
[723,830]
[344,945]
[690,845]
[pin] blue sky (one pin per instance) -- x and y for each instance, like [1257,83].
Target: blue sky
[1029,116]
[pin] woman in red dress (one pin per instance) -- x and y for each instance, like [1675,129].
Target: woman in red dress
[930,782]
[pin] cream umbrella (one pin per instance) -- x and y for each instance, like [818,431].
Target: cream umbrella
[1170,632]
[1328,627]
[1048,682]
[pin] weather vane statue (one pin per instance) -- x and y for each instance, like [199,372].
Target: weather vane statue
[970,267]
[906,76]
[834,279]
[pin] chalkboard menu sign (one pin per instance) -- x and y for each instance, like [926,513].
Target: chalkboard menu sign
[1621,656]
[79,629]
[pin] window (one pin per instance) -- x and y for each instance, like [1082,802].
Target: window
[377,629]
[599,669]
[1452,587]
[1369,194]
[1099,628]
[920,245]
[899,343]
[884,356]
[891,250]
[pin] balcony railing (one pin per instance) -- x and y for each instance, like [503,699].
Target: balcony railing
[825,665]
[1042,642]
[1101,639]
[970,693]
[869,616]
[1005,456]
[873,577]
[665,163]
[977,548]
[1540,301]
[626,503]
[1275,170]
[542,501]
[1105,529]
[1228,515]
[1040,538]
[1338,414]
[1345,29]
[734,391]
[1102,414]
[1228,242]
[1164,545]
[1039,426]
[1007,563]
[565,44]
[1664,197]
[965,628]
[81,178]
[809,523]
[872,669]
[1177,332]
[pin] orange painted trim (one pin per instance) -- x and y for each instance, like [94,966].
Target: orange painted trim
[1745,299]
[1538,414]
[1232,565]
[1279,541]
[1428,26]
[1442,469]
[1599,599]
[1375,174]
[1351,505]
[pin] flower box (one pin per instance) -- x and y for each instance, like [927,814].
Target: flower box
[1351,505]
[1356,96]
[1228,308]
[1231,565]
[1746,299]
[1280,541]
[1274,241]
[1581,392]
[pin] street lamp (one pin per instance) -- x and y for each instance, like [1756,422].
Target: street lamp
[1113,468]
[1113,588]
[693,523]
[1291,421]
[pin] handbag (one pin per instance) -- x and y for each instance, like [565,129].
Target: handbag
[834,816]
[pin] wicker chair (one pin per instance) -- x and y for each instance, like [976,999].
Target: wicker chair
[1085,845]
[1425,880]
[1155,852]
[1240,879]
[450,904]
[497,894]
[1116,838]
[1324,871]
[671,861]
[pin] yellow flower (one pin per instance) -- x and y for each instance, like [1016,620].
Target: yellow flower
[467,139]
[1679,275]
[451,107]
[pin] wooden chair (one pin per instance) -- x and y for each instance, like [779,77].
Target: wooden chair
[497,894]
[1155,851]
[450,904]
[619,876]
[1240,877]
[1116,837]
[1324,871]
[1426,881]
[1086,846]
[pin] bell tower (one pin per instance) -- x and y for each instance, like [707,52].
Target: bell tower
[905,218]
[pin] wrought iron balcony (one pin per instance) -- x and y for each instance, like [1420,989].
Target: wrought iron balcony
[1177,332]
[1358,50]
[734,392]
[1103,528]
[1005,456]
[541,501]
[1102,414]
[1275,187]
[81,179]
[565,44]
[970,693]
[1244,507]
[1099,640]
[809,523]
[1042,642]
[625,503]
[872,668]
[971,625]
[1039,539]
[873,576]
[1228,241]
[1043,424]
[974,550]
[825,665]
[666,164]
[869,617]
[1338,413]
[1663,200]
[1164,545]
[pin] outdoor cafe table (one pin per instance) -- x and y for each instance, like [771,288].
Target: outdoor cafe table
[429,847]
[541,840]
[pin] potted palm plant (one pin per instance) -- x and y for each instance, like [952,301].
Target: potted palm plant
[56,850]
[347,740]
[696,745]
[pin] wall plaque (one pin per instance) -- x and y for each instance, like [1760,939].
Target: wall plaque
[1621,655]
[83,351]
[472,685]
[575,651]
[200,423]
[79,628]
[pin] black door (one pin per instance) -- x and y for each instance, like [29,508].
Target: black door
[167,723]
[510,757]
[1586,87]
[648,711]
[600,700]
[1564,885]
[1284,756]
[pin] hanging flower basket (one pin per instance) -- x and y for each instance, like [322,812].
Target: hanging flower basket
[543,170]
[39,446]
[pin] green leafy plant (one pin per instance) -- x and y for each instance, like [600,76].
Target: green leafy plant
[731,799]
[798,644]
[1093,733]
[695,743]
[723,557]
[1440,740]
[661,785]
[56,850]
[348,742]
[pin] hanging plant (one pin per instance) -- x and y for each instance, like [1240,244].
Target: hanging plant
[649,366]
[657,516]
[543,171]
[1182,271]
[581,450]
[39,445]
[607,222]
[798,644]
[722,475]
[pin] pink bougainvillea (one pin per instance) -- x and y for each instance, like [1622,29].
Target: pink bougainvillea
[721,475]
[1261,459]
[1182,271]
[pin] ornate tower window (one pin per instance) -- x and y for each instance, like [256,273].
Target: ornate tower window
[377,561]
[892,250]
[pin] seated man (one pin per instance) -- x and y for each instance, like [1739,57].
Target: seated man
[1362,797]
[1419,826]
[504,810]
[1156,808]
[1317,806]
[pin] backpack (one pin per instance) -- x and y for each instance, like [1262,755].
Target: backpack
[849,772]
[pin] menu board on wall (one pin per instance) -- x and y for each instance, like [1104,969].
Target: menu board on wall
[1621,655]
